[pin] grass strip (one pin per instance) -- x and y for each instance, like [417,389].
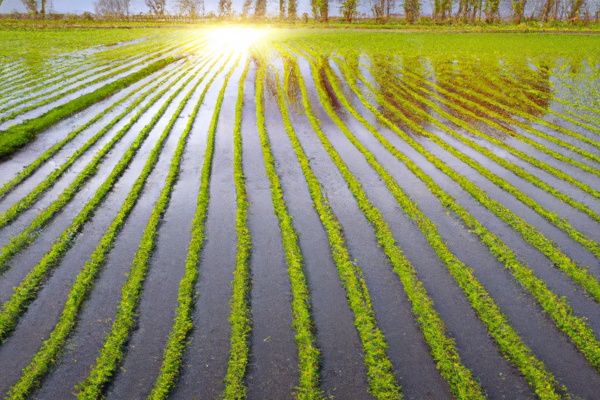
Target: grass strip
[240,317]
[45,358]
[558,309]
[443,349]
[308,352]
[17,208]
[113,351]
[29,234]
[27,290]
[21,134]
[183,323]
[552,217]
[529,233]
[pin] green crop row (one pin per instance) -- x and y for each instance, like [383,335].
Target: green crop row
[527,231]
[183,323]
[589,244]
[27,290]
[29,234]
[18,207]
[575,327]
[308,352]
[47,81]
[38,162]
[495,99]
[15,111]
[531,234]
[50,350]
[21,134]
[112,351]
[62,73]
[240,318]
[521,154]
[443,348]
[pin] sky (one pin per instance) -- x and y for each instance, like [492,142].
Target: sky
[137,6]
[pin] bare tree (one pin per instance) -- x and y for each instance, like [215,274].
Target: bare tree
[281,9]
[32,6]
[260,9]
[112,7]
[191,8]
[225,8]
[247,7]
[382,9]
[157,7]
[292,11]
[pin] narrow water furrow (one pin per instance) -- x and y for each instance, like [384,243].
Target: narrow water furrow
[489,313]
[584,336]
[111,75]
[26,237]
[27,290]
[21,90]
[528,232]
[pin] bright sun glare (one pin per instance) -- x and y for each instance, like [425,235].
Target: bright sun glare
[235,40]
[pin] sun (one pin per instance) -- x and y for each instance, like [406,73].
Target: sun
[233,40]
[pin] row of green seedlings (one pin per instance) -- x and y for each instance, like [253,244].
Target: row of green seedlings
[553,112]
[38,162]
[417,86]
[19,135]
[556,307]
[183,322]
[112,72]
[530,233]
[177,49]
[28,289]
[69,81]
[82,69]
[579,102]
[113,350]
[450,91]
[379,369]
[397,94]
[496,323]
[241,315]
[27,201]
[31,232]
[44,359]
[308,352]
[40,82]
[496,98]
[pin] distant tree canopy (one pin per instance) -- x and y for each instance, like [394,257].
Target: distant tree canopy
[112,7]
[157,7]
[191,8]
[34,6]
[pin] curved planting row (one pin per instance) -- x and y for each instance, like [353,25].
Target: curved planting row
[341,119]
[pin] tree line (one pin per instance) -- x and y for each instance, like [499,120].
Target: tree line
[466,11]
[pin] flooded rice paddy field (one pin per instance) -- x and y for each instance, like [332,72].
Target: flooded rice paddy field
[279,214]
